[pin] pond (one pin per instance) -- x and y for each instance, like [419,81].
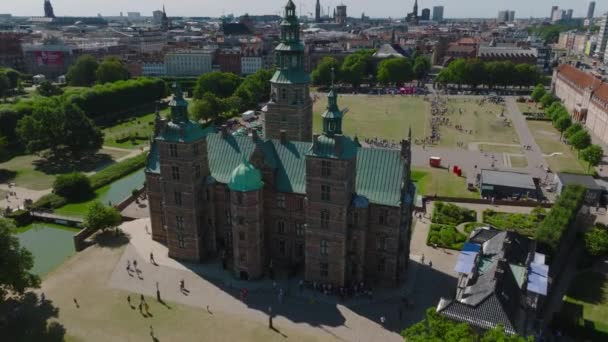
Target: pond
[50,244]
[114,192]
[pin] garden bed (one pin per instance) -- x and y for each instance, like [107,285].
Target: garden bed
[445,236]
[451,214]
[524,224]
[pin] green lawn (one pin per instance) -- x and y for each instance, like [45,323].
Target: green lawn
[589,292]
[440,182]
[387,117]
[518,161]
[557,154]
[142,126]
[35,173]
[483,119]
[529,107]
[500,148]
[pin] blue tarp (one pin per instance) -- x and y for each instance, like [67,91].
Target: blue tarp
[466,258]
[538,278]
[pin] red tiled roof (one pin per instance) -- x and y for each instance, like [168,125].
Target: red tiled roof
[578,77]
[602,92]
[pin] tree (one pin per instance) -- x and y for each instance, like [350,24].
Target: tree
[220,84]
[572,130]
[353,69]
[395,71]
[101,217]
[73,186]
[3,145]
[596,241]
[474,72]
[538,92]
[56,125]
[13,76]
[82,73]
[16,262]
[562,124]
[47,88]
[4,85]
[322,73]
[208,108]
[580,140]
[421,67]
[547,100]
[111,69]
[555,106]
[255,89]
[592,155]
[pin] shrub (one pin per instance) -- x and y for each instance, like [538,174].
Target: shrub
[469,227]
[73,186]
[446,236]
[21,217]
[596,241]
[118,170]
[561,216]
[49,201]
[524,224]
[448,213]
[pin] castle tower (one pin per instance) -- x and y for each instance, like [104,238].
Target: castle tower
[246,206]
[318,12]
[184,168]
[164,21]
[330,185]
[48,9]
[290,106]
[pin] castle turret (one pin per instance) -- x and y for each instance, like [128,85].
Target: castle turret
[246,206]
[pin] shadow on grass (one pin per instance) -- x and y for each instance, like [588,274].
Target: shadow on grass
[27,319]
[57,164]
[7,175]
[111,238]
[593,290]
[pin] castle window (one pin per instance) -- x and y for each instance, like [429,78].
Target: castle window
[324,269]
[283,117]
[241,236]
[240,220]
[226,193]
[381,243]
[173,150]
[282,247]
[242,255]
[325,192]
[381,265]
[382,216]
[207,194]
[181,242]
[300,229]
[284,94]
[178,198]
[281,203]
[281,227]
[325,168]
[324,247]
[175,172]
[228,217]
[239,198]
[325,219]
[179,223]
[355,219]
[197,171]
[195,149]
[299,249]
[300,204]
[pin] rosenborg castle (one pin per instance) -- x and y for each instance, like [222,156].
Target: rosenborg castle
[322,202]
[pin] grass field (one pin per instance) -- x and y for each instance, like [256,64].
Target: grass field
[500,148]
[434,181]
[35,173]
[142,126]
[518,161]
[484,120]
[592,298]
[387,117]
[547,138]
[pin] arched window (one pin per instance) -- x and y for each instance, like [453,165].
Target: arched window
[324,247]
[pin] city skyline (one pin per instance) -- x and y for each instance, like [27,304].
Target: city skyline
[464,8]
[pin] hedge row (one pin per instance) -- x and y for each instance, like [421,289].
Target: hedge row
[448,213]
[117,171]
[561,216]
[445,236]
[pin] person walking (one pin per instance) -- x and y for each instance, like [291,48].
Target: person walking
[129,300]
[152,261]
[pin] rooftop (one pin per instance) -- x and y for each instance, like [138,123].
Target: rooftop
[507,179]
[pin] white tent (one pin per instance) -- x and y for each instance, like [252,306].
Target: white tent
[250,114]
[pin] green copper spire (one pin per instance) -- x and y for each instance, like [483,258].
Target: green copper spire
[178,105]
[332,117]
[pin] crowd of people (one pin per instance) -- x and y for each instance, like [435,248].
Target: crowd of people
[357,289]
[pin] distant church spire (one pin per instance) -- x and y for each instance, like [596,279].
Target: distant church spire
[48,9]
[318,12]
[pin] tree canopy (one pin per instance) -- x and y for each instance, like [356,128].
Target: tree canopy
[56,125]
[101,217]
[47,88]
[395,71]
[596,241]
[83,72]
[111,69]
[220,84]
[580,140]
[592,155]
[475,72]
[538,92]
[16,261]
[322,74]
[73,186]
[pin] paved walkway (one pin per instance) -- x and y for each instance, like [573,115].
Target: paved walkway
[356,320]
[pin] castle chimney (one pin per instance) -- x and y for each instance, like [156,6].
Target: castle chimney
[315,137]
[254,135]
[224,131]
[283,136]
[338,139]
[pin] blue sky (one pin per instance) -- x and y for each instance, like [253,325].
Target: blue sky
[384,8]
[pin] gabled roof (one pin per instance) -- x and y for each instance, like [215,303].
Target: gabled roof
[578,77]
[380,175]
